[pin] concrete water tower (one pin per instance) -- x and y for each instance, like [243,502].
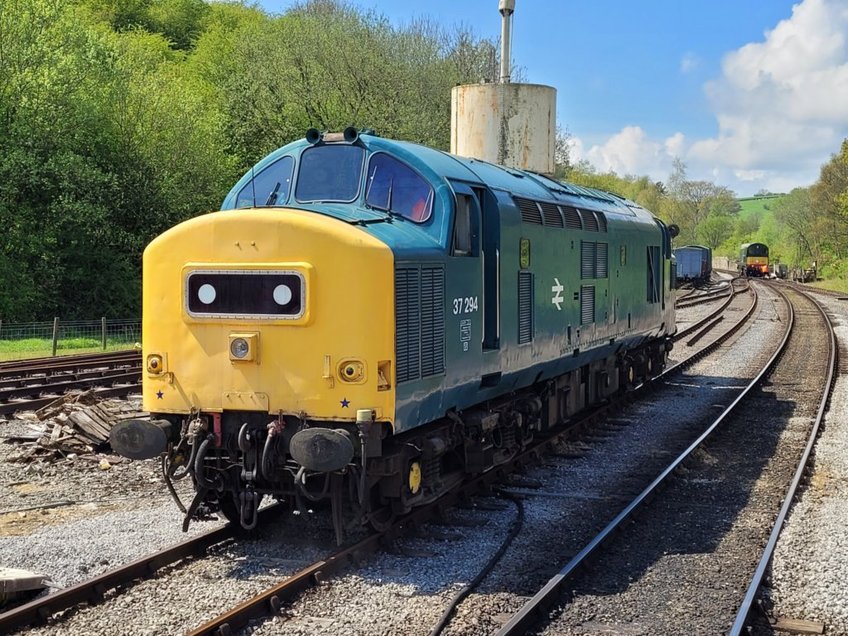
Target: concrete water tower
[510,124]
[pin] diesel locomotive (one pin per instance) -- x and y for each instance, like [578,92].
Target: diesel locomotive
[366,322]
[754,259]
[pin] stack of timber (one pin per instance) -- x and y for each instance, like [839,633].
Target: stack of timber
[76,424]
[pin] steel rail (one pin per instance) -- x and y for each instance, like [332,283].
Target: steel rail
[270,601]
[52,361]
[126,386]
[701,299]
[34,381]
[63,368]
[768,552]
[703,321]
[551,592]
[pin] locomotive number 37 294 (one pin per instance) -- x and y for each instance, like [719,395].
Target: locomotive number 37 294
[465,305]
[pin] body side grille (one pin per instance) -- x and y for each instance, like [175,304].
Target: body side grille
[432,321]
[590,223]
[529,211]
[587,304]
[525,307]
[552,215]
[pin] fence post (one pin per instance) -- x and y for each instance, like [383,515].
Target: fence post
[1,325]
[55,334]
[103,331]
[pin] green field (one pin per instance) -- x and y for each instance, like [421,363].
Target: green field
[761,206]
[43,347]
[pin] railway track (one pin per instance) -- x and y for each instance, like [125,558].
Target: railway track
[31,384]
[271,600]
[596,583]
[695,331]
[720,290]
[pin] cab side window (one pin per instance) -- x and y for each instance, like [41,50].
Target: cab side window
[464,238]
[269,187]
[395,187]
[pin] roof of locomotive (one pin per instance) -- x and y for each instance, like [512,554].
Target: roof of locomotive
[437,166]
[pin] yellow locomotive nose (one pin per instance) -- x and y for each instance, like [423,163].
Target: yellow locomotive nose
[269,323]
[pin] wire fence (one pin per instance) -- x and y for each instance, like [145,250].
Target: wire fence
[58,337]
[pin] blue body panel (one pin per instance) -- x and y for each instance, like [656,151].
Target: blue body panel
[519,268]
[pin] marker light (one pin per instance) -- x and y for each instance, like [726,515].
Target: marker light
[155,364]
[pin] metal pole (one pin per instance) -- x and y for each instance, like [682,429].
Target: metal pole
[55,334]
[103,331]
[506,8]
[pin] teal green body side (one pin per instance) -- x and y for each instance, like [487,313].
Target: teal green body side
[513,310]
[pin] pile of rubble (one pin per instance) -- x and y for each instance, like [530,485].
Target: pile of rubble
[77,424]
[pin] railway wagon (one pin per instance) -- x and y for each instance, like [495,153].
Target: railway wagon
[367,321]
[694,263]
[753,259]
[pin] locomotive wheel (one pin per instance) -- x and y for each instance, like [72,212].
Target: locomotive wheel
[382,518]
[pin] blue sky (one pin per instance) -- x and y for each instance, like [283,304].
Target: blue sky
[752,94]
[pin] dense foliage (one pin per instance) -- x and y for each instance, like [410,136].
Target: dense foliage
[121,118]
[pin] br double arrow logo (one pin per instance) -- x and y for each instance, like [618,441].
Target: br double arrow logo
[557,291]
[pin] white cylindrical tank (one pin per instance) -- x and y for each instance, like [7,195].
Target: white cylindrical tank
[509,124]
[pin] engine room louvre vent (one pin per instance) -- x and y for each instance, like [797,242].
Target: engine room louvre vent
[525,307]
[588,255]
[601,267]
[432,321]
[590,223]
[572,218]
[419,321]
[602,221]
[552,215]
[529,211]
[587,304]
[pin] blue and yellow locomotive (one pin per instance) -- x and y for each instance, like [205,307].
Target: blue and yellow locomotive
[368,321]
[754,259]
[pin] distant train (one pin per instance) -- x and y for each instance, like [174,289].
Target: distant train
[754,260]
[367,321]
[694,263]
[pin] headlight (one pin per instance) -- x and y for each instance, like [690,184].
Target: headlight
[243,346]
[239,348]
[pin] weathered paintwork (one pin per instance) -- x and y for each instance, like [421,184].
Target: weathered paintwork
[505,123]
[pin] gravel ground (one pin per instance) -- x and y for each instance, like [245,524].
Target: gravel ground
[810,564]
[97,518]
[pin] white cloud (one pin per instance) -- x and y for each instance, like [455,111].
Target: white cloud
[689,63]
[630,151]
[781,106]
